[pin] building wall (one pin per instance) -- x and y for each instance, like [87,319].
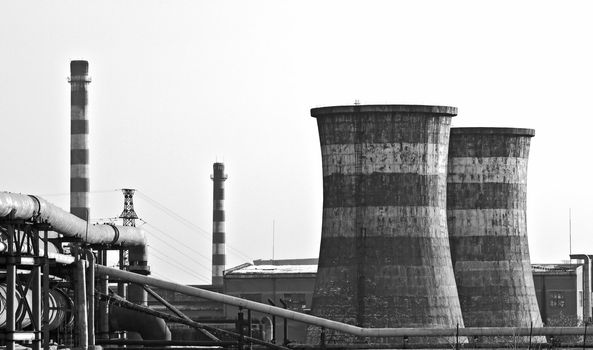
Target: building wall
[295,289]
[559,296]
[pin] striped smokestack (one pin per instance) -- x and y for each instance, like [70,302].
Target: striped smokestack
[79,152]
[218,252]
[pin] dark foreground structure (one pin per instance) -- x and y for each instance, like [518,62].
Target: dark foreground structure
[486,209]
[384,259]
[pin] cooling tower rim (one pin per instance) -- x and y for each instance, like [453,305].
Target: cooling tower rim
[493,131]
[438,110]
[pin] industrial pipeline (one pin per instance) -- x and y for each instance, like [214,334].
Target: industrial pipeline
[28,207]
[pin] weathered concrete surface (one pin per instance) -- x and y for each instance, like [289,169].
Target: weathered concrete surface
[384,259]
[486,199]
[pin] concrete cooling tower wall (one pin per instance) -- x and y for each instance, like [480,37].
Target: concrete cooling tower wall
[486,195]
[384,259]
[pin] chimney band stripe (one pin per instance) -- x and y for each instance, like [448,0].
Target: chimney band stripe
[79,170]
[218,226]
[79,156]
[218,215]
[79,126]
[218,259]
[218,237]
[79,184]
[218,248]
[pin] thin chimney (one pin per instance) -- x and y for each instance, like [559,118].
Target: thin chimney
[79,129]
[218,234]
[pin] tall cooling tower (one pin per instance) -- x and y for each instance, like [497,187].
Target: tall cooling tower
[384,259]
[486,194]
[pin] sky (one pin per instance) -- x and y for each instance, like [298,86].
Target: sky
[178,85]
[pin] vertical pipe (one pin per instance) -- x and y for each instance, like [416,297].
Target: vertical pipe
[384,258]
[103,327]
[240,322]
[121,285]
[587,289]
[81,304]
[10,289]
[36,295]
[90,295]
[45,284]
[79,153]
[218,219]
[486,210]
[138,264]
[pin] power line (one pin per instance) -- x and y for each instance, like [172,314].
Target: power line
[179,251]
[183,244]
[187,222]
[172,262]
[68,193]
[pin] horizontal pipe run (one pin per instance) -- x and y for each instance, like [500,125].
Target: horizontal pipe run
[338,326]
[119,301]
[164,342]
[27,207]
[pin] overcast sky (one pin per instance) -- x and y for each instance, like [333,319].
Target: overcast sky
[178,85]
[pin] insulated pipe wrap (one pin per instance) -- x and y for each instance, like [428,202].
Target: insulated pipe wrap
[27,208]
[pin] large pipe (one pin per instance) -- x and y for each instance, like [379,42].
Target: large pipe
[329,324]
[79,129]
[80,298]
[218,230]
[36,208]
[149,327]
[52,251]
[486,209]
[384,258]
[56,315]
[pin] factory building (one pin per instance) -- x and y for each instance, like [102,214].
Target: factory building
[286,282]
[559,291]
[558,288]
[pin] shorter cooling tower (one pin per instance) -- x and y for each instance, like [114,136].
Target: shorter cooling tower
[486,195]
[384,259]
